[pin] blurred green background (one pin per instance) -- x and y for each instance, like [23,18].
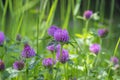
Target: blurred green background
[31,18]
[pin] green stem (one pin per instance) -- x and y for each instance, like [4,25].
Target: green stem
[85,31]
[27,71]
[65,74]
[1,5]
[67,70]
[50,75]
[1,76]
[116,47]
[62,10]
[67,17]
[111,15]
[87,64]
[19,26]
[78,63]
[112,9]
[10,7]
[37,39]
[96,6]
[86,27]
[47,75]
[53,55]
[61,51]
[86,70]
[96,60]
[57,72]
[4,14]
[4,52]
[88,6]
[102,4]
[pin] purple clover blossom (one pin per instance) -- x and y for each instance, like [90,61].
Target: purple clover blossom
[61,35]
[2,38]
[102,32]
[51,47]
[48,62]
[18,65]
[2,65]
[88,14]
[28,52]
[95,48]
[58,47]
[54,47]
[52,30]
[62,57]
[114,60]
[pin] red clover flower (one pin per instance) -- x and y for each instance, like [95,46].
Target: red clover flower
[52,30]
[102,32]
[48,62]
[95,48]
[18,65]
[61,35]
[28,52]
[88,14]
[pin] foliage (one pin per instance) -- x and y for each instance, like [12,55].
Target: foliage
[32,18]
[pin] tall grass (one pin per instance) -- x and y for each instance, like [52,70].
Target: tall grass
[16,12]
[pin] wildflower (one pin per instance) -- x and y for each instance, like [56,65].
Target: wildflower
[18,65]
[48,62]
[61,35]
[52,30]
[58,47]
[2,38]
[63,58]
[102,32]
[51,47]
[114,60]
[28,51]
[88,14]
[95,48]
[2,65]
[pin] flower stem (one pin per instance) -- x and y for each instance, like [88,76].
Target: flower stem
[56,72]
[3,52]
[61,51]
[85,30]
[53,54]
[86,70]
[86,27]
[96,61]
[50,74]
[0,75]
[65,72]
[27,71]
[88,5]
